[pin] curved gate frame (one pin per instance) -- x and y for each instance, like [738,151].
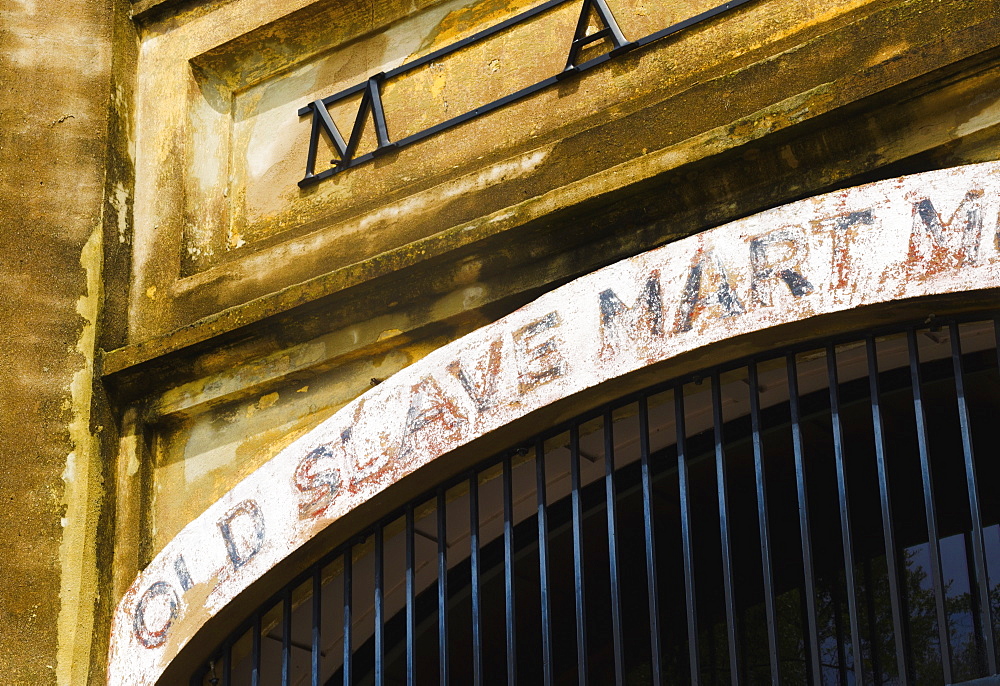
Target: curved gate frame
[864,255]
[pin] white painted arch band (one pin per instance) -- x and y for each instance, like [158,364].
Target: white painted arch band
[927,234]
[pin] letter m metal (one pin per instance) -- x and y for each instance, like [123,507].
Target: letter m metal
[323,124]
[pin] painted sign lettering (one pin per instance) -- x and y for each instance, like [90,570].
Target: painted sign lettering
[927,234]
[644,318]
[152,633]
[243,531]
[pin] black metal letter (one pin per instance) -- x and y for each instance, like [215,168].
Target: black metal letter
[371,102]
[580,37]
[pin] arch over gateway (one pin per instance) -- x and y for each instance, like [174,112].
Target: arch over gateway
[928,234]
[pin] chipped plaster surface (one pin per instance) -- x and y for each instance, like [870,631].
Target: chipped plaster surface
[81,495]
[928,234]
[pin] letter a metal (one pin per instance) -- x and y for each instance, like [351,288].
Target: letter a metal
[322,122]
[610,31]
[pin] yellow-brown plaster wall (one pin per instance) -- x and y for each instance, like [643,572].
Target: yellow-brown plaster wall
[155,236]
[55,62]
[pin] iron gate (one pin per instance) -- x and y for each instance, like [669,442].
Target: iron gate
[659,539]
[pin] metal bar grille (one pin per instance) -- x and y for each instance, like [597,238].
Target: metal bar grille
[579,585]
[929,506]
[611,505]
[442,588]
[508,572]
[411,600]
[348,615]
[685,502]
[984,633]
[765,534]
[286,637]
[805,531]
[827,499]
[647,520]
[477,639]
[895,598]
[543,563]
[845,516]
[727,553]
[316,665]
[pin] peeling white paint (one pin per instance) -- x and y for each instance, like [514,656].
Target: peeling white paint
[119,201]
[990,116]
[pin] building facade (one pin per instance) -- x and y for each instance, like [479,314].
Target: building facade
[468,341]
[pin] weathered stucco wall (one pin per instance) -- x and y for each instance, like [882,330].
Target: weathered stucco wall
[155,235]
[55,60]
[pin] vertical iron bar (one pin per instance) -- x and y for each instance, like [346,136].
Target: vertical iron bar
[286,637]
[647,516]
[379,607]
[873,642]
[543,563]
[727,553]
[713,664]
[442,536]
[411,600]
[996,343]
[227,665]
[255,651]
[687,542]
[838,624]
[609,490]
[804,530]
[996,340]
[804,623]
[930,512]
[895,597]
[845,517]
[477,643]
[348,611]
[317,610]
[578,578]
[508,570]
[975,608]
[978,551]
[765,532]
[741,626]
